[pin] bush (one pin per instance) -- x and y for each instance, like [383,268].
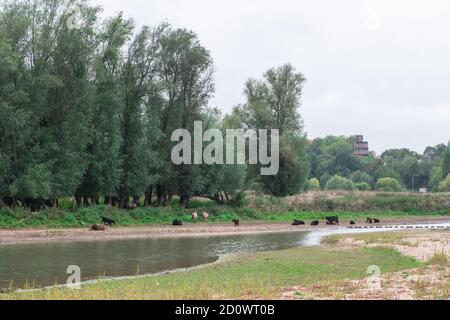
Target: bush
[313,185]
[324,180]
[359,176]
[388,185]
[444,186]
[340,183]
[363,186]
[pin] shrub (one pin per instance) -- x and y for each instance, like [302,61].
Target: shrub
[388,185]
[444,186]
[324,180]
[359,176]
[363,186]
[313,185]
[339,183]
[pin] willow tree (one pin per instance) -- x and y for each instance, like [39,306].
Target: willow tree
[185,72]
[273,103]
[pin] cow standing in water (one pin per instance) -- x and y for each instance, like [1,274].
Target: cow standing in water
[205,216]
[194,216]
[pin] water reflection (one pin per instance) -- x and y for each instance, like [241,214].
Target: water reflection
[46,263]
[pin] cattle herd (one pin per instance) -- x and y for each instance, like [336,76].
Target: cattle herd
[331,221]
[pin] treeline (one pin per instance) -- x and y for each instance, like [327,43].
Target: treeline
[333,167]
[88,108]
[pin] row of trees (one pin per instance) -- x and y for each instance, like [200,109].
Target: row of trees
[332,157]
[88,109]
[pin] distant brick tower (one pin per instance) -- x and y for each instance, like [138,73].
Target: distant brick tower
[361,147]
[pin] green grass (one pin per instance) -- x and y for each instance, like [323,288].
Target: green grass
[311,206]
[84,217]
[252,276]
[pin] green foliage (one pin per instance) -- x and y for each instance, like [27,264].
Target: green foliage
[324,180]
[363,186]
[359,176]
[388,185]
[446,162]
[444,186]
[313,185]
[273,103]
[339,183]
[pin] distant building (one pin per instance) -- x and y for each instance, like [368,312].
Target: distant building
[361,147]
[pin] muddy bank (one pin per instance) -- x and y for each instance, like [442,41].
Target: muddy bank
[19,236]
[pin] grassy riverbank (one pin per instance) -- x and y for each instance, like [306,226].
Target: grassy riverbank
[310,206]
[250,276]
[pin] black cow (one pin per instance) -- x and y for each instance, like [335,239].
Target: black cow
[315,223]
[236,222]
[369,220]
[376,221]
[108,221]
[177,222]
[352,223]
[298,223]
[332,220]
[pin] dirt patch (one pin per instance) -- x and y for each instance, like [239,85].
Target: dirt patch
[18,236]
[431,282]
[420,245]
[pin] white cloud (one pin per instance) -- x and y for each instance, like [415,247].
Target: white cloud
[380,68]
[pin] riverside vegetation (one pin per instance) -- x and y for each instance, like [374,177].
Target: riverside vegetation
[308,206]
[88,113]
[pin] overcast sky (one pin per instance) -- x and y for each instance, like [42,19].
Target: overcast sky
[379,68]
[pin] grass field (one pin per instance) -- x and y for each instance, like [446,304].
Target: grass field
[250,276]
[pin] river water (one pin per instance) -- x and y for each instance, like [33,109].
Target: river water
[45,264]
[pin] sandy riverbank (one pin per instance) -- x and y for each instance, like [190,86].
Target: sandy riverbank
[21,236]
[429,282]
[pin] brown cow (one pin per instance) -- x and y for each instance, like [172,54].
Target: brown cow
[98,227]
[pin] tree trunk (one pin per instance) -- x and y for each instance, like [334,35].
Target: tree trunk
[148,197]
[159,195]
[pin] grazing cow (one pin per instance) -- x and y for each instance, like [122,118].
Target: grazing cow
[236,222]
[332,220]
[177,222]
[194,216]
[298,223]
[352,223]
[205,216]
[376,221]
[315,223]
[98,227]
[369,220]
[108,221]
